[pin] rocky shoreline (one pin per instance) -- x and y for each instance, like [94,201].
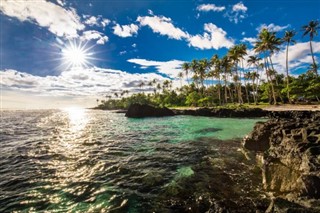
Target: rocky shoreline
[141,111]
[287,149]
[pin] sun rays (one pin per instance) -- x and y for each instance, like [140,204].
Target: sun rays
[75,55]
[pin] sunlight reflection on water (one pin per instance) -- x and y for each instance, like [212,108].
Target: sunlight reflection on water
[80,160]
[78,118]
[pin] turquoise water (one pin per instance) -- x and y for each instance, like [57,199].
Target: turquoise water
[185,128]
[93,161]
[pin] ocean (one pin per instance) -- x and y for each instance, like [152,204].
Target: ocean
[80,160]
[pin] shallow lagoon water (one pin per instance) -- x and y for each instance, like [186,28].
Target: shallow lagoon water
[91,161]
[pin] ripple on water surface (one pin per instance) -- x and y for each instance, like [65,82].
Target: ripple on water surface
[85,160]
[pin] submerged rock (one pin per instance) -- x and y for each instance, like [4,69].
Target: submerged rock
[290,159]
[144,110]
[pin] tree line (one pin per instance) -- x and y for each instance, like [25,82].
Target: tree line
[232,79]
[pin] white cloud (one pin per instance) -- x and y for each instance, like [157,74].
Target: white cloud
[169,68]
[210,7]
[249,40]
[239,7]
[162,25]
[272,27]
[214,37]
[94,35]
[237,13]
[91,21]
[125,30]
[299,58]
[299,55]
[61,2]
[103,40]
[150,12]
[134,45]
[96,21]
[80,83]
[58,20]
[104,22]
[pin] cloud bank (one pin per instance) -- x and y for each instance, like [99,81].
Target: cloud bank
[44,14]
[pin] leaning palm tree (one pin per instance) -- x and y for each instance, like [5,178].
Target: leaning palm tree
[311,29]
[267,44]
[204,64]
[194,67]
[288,39]
[141,85]
[254,61]
[186,68]
[236,54]
[217,71]
[247,77]
[226,67]
[180,76]
[255,76]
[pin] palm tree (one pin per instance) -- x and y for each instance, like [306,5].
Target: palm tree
[236,54]
[253,77]
[165,85]
[186,69]
[194,67]
[268,44]
[158,87]
[141,85]
[202,71]
[254,61]
[288,39]
[216,73]
[311,29]
[226,66]
[247,77]
[180,75]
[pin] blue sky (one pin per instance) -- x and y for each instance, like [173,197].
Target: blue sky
[127,42]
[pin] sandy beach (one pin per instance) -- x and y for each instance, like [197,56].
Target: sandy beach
[287,107]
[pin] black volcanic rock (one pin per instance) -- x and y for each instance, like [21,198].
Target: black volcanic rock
[225,113]
[288,147]
[141,111]
[259,138]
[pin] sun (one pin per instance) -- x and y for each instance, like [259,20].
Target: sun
[76,55]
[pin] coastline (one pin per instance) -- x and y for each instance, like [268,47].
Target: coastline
[144,110]
[282,107]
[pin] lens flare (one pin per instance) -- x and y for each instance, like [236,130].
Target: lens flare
[76,55]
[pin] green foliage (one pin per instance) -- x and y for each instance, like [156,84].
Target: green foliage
[192,99]
[219,81]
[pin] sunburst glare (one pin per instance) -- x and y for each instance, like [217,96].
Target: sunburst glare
[76,55]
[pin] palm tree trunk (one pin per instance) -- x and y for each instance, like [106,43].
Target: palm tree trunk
[231,94]
[240,92]
[237,85]
[247,94]
[287,69]
[219,91]
[254,94]
[277,83]
[225,92]
[187,78]
[271,83]
[314,62]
